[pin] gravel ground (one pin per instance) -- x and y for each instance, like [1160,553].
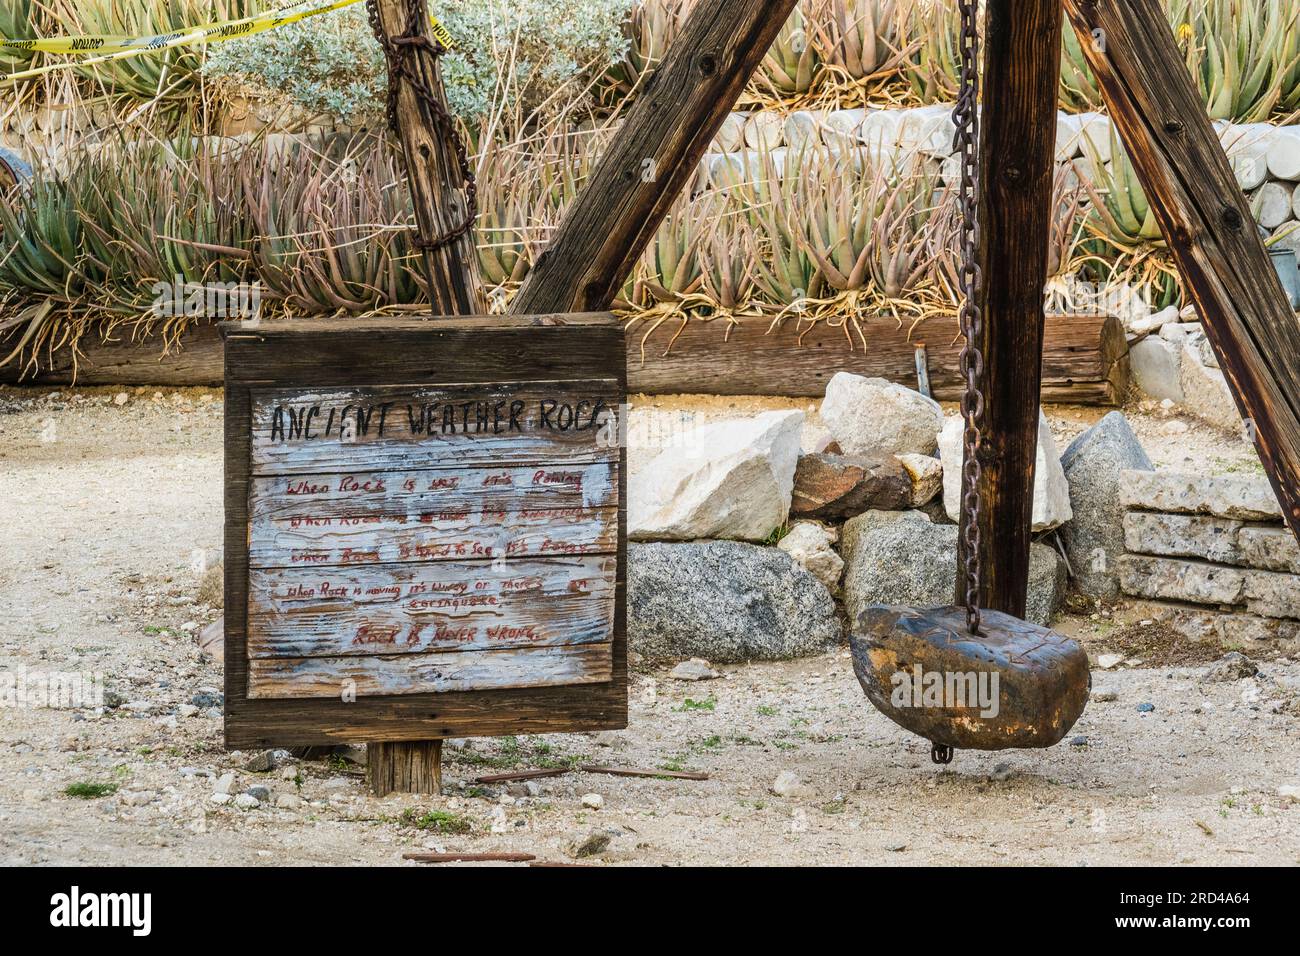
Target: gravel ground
[111,513]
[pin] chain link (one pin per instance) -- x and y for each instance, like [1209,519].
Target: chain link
[967,120]
[399,54]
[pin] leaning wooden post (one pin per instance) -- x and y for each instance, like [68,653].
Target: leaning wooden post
[667,130]
[434,163]
[439,177]
[1206,222]
[1017,162]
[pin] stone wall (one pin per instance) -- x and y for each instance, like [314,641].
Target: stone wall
[1212,555]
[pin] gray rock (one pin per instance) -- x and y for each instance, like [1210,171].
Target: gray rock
[787,784]
[1232,666]
[262,762]
[1175,580]
[905,558]
[224,783]
[1094,537]
[695,669]
[259,792]
[247,802]
[1156,366]
[1183,536]
[1248,498]
[725,601]
[1206,393]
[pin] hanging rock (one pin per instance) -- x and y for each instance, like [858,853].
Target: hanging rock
[726,602]
[903,558]
[872,416]
[811,545]
[1094,537]
[1051,490]
[732,480]
[838,486]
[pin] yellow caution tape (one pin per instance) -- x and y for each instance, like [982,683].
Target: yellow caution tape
[107,47]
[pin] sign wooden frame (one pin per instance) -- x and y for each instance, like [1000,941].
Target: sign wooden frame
[404,354]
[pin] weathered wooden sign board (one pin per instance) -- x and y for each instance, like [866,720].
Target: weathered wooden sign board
[425,528]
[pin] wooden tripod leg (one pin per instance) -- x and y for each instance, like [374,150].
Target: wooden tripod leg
[404,767]
[1017,163]
[1207,222]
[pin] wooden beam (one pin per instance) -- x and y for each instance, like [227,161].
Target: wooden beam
[434,172]
[1206,221]
[1017,162]
[666,133]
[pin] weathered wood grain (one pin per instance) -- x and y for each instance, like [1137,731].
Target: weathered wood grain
[1017,155]
[1085,357]
[433,172]
[414,608]
[386,354]
[1206,221]
[435,491]
[667,131]
[431,537]
[373,429]
[407,767]
[441,673]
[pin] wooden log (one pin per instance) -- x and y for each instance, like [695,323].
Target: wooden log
[1017,162]
[434,173]
[666,133]
[1206,221]
[404,767]
[1085,359]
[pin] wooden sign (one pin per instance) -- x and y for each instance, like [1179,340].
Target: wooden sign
[424,528]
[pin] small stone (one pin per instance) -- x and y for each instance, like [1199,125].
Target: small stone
[695,669]
[1080,741]
[259,792]
[593,801]
[1105,695]
[1146,708]
[220,798]
[787,784]
[593,844]
[120,399]
[811,546]
[926,475]
[262,762]
[1232,666]
[1107,661]
[288,801]
[247,802]
[337,783]
[205,699]
[1002,771]
[187,710]
[138,798]
[225,783]
[532,788]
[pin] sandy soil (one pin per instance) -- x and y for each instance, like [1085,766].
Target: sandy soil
[110,514]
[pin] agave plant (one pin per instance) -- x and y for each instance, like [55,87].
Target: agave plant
[171,78]
[1078,90]
[333,227]
[932,32]
[726,256]
[650,28]
[1120,208]
[670,268]
[863,38]
[1237,50]
[17,22]
[901,259]
[793,63]
[836,209]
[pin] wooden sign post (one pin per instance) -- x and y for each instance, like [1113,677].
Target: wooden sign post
[424,531]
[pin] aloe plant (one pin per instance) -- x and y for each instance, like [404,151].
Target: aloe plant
[1120,207]
[650,28]
[933,66]
[793,63]
[864,38]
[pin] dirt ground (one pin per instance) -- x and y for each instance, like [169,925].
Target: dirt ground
[111,513]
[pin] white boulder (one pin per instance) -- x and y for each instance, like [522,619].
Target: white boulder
[811,546]
[1205,391]
[1051,490]
[873,416]
[731,479]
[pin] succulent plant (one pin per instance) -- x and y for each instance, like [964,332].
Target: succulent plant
[793,63]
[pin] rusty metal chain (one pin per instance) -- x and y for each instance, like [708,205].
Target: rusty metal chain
[399,54]
[966,117]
